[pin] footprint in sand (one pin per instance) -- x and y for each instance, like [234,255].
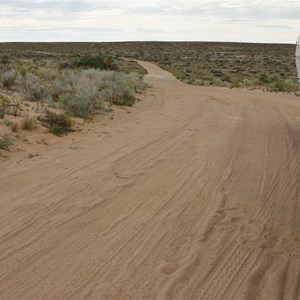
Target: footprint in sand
[180,242]
[169,268]
[232,225]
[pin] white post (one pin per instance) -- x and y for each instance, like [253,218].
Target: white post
[298,59]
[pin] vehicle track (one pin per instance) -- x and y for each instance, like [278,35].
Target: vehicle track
[195,195]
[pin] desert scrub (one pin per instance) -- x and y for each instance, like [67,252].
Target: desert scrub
[28,123]
[36,93]
[5,142]
[77,105]
[120,88]
[57,123]
[86,90]
[96,62]
[276,84]
[80,92]
[118,91]
[4,60]
[204,61]
[7,79]
[7,122]
[81,98]
[4,105]
[33,87]
[8,107]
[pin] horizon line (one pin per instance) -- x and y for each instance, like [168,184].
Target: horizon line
[150,41]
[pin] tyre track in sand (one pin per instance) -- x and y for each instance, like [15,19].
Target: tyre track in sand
[196,199]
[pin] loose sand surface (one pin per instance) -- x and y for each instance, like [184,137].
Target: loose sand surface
[192,194]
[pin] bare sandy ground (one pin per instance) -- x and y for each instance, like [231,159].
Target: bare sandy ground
[192,194]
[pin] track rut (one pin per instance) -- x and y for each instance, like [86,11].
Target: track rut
[193,195]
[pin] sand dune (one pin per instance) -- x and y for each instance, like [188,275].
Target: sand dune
[192,195]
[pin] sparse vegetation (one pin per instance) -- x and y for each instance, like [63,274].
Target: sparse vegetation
[81,79]
[54,87]
[7,122]
[7,79]
[57,123]
[4,104]
[200,63]
[234,65]
[96,62]
[14,127]
[7,107]
[5,142]
[28,123]
[80,92]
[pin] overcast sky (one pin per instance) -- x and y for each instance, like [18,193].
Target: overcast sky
[149,20]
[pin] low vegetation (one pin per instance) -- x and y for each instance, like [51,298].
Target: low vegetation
[57,123]
[50,83]
[96,62]
[80,92]
[28,123]
[270,67]
[51,91]
[8,107]
[5,142]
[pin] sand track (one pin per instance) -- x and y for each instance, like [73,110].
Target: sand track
[193,195]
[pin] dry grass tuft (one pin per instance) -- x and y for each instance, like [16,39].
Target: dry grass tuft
[28,123]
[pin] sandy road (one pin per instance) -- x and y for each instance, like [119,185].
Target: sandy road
[194,195]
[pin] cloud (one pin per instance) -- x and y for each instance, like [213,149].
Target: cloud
[258,9]
[144,19]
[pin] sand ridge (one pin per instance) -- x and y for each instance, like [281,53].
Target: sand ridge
[193,194]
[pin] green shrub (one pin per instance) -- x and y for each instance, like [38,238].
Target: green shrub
[57,124]
[59,119]
[96,62]
[56,130]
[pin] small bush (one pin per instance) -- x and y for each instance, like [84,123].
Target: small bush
[4,105]
[57,124]
[15,109]
[23,71]
[8,79]
[36,93]
[120,89]
[57,88]
[56,130]
[28,123]
[76,105]
[14,127]
[7,122]
[47,74]
[5,60]
[96,62]
[5,142]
